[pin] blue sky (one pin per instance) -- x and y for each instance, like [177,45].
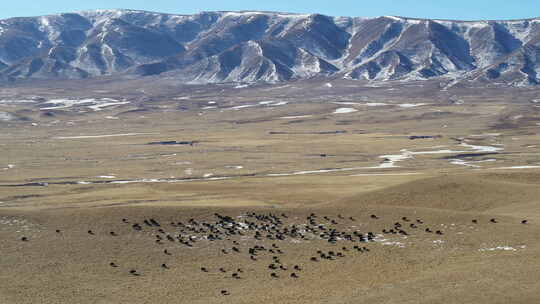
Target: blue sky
[447,9]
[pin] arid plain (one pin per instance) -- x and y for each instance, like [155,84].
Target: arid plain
[329,160]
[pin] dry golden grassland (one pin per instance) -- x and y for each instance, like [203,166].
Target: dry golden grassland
[260,159]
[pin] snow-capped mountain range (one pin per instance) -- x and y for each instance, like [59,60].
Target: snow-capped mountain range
[212,47]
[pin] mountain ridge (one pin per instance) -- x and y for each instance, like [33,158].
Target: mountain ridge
[272,12]
[254,46]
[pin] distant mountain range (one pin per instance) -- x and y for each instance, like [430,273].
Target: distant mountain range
[213,47]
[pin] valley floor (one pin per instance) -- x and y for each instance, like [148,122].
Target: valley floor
[468,170]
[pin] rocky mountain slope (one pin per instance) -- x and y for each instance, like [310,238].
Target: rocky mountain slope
[212,47]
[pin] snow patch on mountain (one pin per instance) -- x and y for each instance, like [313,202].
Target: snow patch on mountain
[255,46]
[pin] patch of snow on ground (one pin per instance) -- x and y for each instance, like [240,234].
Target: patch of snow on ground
[395,243]
[485,134]
[482,148]
[462,162]
[243,106]
[347,103]
[376,104]
[5,116]
[517,117]
[20,223]
[517,167]
[322,171]
[157,180]
[344,111]
[273,103]
[387,174]
[106,176]
[411,105]
[436,152]
[294,117]
[234,167]
[379,238]
[382,104]
[391,160]
[317,171]
[92,103]
[101,136]
[101,106]
[504,248]
[17,101]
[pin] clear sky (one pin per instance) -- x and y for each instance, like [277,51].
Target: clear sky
[440,9]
